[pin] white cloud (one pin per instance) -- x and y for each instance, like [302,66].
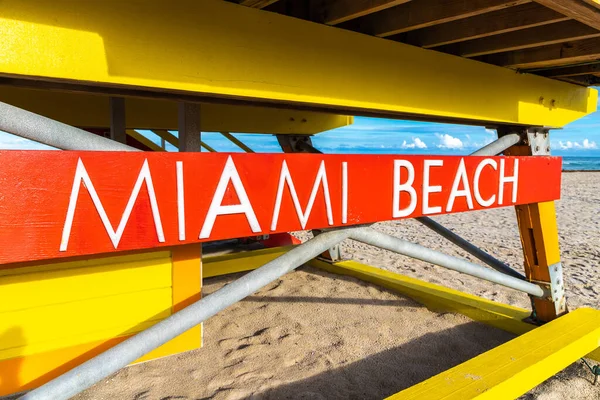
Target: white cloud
[589,145]
[586,144]
[415,144]
[449,142]
[490,131]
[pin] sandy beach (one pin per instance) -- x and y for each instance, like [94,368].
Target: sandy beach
[313,335]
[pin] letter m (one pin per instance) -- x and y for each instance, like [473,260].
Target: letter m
[81,176]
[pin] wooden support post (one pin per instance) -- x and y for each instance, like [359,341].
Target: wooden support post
[117,119]
[539,236]
[189,127]
[187,260]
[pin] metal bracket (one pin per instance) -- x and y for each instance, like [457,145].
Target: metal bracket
[555,289]
[539,141]
[296,144]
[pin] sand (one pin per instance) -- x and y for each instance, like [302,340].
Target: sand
[313,335]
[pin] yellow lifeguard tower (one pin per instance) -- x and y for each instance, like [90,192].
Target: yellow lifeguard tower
[76,305]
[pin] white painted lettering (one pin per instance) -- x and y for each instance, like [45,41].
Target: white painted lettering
[81,176]
[461,177]
[404,187]
[428,189]
[508,179]
[480,200]
[216,209]
[180,201]
[344,192]
[303,216]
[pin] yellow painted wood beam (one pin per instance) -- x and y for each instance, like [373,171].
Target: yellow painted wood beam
[170,138]
[63,313]
[513,368]
[239,262]
[92,111]
[214,49]
[237,142]
[143,140]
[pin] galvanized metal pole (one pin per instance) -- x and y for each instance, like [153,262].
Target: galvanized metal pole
[374,238]
[53,133]
[101,366]
[492,149]
[499,145]
[469,247]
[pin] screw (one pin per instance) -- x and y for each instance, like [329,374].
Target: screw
[537,148]
[548,149]
[552,103]
[292,119]
[541,100]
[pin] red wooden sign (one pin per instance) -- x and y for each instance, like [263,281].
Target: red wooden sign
[60,204]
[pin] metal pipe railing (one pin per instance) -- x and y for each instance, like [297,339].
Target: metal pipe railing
[499,145]
[109,362]
[496,147]
[44,130]
[391,243]
[470,248]
[101,366]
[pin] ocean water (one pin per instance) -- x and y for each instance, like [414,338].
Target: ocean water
[571,163]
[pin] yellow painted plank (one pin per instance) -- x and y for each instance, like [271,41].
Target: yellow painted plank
[143,140]
[41,329]
[238,262]
[53,287]
[187,287]
[92,111]
[140,259]
[515,367]
[435,297]
[217,49]
[25,373]
[439,298]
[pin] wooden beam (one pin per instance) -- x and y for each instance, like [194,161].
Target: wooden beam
[335,12]
[547,56]
[576,9]
[593,68]
[424,13]
[328,70]
[257,3]
[492,23]
[515,367]
[527,38]
[583,80]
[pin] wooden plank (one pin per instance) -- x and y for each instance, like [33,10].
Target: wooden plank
[239,262]
[524,39]
[424,13]
[334,12]
[257,3]
[40,329]
[592,68]
[278,69]
[91,212]
[50,286]
[513,368]
[144,140]
[577,9]
[492,23]
[187,288]
[547,56]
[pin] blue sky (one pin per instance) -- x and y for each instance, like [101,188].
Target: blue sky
[370,135]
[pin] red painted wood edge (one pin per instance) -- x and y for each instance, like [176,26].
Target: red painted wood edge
[63,203]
